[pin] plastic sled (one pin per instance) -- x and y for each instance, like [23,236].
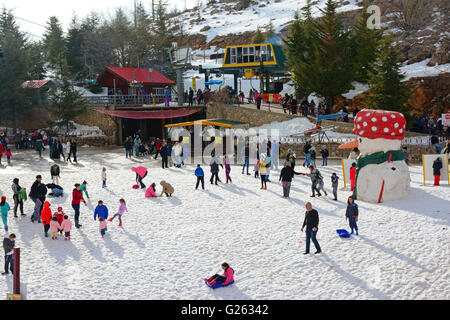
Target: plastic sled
[136,186]
[343,233]
[218,285]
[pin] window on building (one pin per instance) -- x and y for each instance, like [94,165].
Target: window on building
[233,55]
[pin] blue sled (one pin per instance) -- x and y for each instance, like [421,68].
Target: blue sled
[218,285]
[343,233]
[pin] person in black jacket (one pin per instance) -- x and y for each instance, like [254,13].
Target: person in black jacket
[215,169]
[325,154]
[164,155]
[246,159]
[73,151]
[311,223]
[8,245]
[128,146]
[37,194]
[54,172]
[351,214]
[437,166]
[286,175]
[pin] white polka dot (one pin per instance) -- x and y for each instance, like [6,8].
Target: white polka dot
[359,118]
[358,126]
[384,119]
[365,124]
[386,130]
[393,134]
[374,119]
[374,128]
[393,116]
[396,125]
[401,130]
[361,132]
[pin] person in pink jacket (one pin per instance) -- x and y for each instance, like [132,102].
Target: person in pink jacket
[151,191]
[54,227]
[226,278]
[122,209]
[66,226]
[103,227]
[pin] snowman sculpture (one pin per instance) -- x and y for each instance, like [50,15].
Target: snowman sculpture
[381,172]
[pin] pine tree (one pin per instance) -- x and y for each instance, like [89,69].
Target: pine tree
[387,89]
[258,37]
[365,43]
[74,50]
[66,103]
[122,30]
[141,39]
[54,44]
[15,68]
[332,60]
[270,31]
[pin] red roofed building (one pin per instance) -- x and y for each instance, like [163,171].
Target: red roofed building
[122,79]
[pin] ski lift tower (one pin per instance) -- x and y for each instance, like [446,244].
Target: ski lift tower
[180,62]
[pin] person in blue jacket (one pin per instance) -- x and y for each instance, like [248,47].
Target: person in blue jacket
[352,214]
[200,177]
[101,211]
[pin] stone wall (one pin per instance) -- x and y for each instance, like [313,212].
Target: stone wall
[255,118]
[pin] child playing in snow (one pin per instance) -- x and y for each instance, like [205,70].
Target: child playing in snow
[334,184]
[167,189]
[352,214]
[104,178]
[46,216]
[320,186]
[200,174]
[226,278]
[66,226]
[59,216]
[8,155]
[227,168]
[4,208]
[84,189]
[122,210]
[103,227]
[353,176]
[256,169]
[437,166]
[54,228]
[151,191]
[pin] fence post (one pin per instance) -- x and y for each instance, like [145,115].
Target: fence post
[16,285]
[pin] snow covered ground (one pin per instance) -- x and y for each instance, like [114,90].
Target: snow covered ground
[167,246]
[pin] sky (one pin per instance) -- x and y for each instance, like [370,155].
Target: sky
[38,11]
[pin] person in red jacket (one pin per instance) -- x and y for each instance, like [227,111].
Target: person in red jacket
[46,217]
[60,216]
[353,176]
[158,147]
[226,278]
[1,152]
[77,198]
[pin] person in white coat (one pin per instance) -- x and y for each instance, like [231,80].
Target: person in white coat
[176,153]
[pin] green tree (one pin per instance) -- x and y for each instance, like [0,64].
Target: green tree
[74,50]
[14,69]
[122,30]
[141,38]
[386,87]
[332,59]
[259,36]
[365,43]
[54,44]
[66,103]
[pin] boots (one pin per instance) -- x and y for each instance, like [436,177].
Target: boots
[110,220]
[120,224]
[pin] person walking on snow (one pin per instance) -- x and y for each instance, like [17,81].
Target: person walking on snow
[101,211]
[104,178]
[215,163]
[46,216]
[315,179]
[122,210]
[335,184]
[263,171]
[437,166]
[325,154]
[141,173]
[77,198]
[103,227]
[54,172]
[9,245]
[311,223]
[19,196]
[227,169]
[84,189]
[286,175]
[4,208]
[351,214]
[66,226]
[54,228]
[200,174]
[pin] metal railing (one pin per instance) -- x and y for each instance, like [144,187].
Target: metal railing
[124,100]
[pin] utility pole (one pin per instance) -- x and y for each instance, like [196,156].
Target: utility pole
[135,15]
[153,10]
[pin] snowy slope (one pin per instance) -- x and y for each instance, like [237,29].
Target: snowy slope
[168,245]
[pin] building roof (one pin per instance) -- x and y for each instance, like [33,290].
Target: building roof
[216,122]
[144,75]
[35,84]
[159,114]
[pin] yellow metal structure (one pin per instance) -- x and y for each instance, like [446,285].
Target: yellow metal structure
[249,64]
